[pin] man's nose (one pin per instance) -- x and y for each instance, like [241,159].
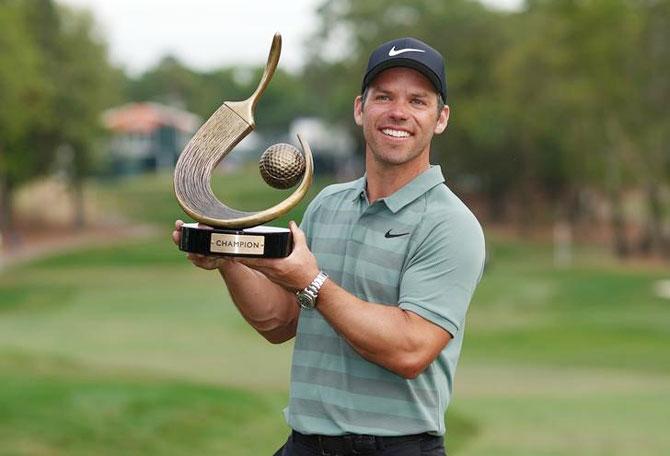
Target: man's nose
[398,110]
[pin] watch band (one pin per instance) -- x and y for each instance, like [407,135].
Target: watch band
[307,297]
[313,288]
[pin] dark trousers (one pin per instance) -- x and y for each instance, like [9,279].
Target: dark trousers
[417,445]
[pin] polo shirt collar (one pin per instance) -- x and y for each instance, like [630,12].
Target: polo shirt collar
[359,186]
[415,188]
[411,191]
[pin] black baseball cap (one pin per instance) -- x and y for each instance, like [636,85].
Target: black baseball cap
[410,53]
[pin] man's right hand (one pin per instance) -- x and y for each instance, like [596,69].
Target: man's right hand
[201,261]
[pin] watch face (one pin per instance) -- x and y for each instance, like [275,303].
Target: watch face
[305,301]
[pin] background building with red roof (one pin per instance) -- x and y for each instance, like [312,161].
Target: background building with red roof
[147,136]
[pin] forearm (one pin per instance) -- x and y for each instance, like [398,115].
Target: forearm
[396,339]
[400,341]
[267,307]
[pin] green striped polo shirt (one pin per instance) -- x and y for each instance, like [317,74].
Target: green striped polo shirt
[420,249]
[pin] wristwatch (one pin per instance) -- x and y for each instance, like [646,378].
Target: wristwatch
[307,297]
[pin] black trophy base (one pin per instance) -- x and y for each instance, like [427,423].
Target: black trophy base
[259,242]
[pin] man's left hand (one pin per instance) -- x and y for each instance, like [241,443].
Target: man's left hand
[294,272]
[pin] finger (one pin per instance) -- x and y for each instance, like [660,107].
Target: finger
[178,224]
[176,237]
[297,233]
[254,263]
[196,257]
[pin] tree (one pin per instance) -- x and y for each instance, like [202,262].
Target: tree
[653,65]
[85,84]
[172,83]
[24,95]
[560,96]
[169,82]
[469,35]
[57,80]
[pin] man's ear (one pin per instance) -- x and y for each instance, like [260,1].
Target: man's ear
[358,111]
[442,120]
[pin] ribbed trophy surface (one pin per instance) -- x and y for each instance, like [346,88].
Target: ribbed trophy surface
[206,149]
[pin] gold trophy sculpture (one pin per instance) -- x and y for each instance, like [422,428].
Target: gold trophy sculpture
[228,231]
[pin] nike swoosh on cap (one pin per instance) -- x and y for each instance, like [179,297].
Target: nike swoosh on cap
[394,52]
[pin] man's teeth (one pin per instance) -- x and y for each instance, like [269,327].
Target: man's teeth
[395,133]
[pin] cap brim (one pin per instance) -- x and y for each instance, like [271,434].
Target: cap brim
[406,63]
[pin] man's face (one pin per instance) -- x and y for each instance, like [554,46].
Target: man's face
[399,116]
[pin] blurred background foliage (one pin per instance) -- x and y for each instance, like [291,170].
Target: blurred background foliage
[559,125]
[559,109]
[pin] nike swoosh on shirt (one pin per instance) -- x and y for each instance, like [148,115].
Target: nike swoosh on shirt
[394,52]
[393,235]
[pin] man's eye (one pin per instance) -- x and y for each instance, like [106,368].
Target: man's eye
[382,97]
[418,101]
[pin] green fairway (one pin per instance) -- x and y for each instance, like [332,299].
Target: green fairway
[55,406]
[128,349]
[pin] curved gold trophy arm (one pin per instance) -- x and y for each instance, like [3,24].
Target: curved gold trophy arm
[211,143]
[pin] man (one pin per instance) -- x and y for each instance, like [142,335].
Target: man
[384,267]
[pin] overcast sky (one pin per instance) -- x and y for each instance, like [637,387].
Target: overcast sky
[206,34]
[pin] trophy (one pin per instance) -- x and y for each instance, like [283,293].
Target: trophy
[228,231]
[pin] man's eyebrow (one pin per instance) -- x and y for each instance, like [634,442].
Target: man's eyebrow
[380,90]
[417,93]
[384,91]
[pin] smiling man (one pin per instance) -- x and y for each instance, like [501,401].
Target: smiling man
[376,289]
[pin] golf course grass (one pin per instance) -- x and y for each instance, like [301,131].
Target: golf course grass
[128,349]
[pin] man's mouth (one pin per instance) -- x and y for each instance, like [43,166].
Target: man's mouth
[395,133]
